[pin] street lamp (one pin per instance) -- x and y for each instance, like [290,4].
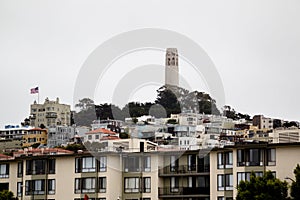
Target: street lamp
[288,178]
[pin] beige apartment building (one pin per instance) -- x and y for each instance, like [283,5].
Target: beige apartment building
[138,175]
[61,174]
[50,113]
[232,164]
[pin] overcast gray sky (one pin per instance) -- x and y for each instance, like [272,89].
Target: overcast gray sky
[255,46]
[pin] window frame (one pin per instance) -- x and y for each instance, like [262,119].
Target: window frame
[133,187]
[4,173]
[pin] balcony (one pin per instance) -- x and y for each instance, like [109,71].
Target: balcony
[184,170]
[176,192]
[51,115]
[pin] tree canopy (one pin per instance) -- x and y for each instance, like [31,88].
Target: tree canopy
[266,187]
[6,195]
[295,188]
[170,100]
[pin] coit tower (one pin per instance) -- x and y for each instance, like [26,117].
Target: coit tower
[171,71]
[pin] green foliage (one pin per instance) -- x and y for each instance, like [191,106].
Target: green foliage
[74,147]
[85,116]
[124,135]
[35,145]
[262,188]
[290,124]
[232,114]
[170,100]
[6,195]
[26,122]
[85,104]
[42,126]
[134,120]
[295,188]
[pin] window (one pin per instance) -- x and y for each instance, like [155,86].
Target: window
[203,182]
[102,184]
[245,176]
[131,185]
[221,183]
[146,184]
[85,164]
[240,157]
[271,157]
[221,198]
[174,184]
[35,167]
[225,182]
[20,169]
[102,164]
[51,166]
[173,164]
[225,160]
[85,185]
[220,161]
[131,164]
[89,137]
[51,186]
[191,162]
[97,137]
[228,182]
[254,157]
[36,187]
[4,170]
[203,164]
[250,157]
[19,189]
[147,164]
[228,160]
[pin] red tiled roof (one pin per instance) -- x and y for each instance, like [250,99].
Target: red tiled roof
[44,151]
[4,157]
[101,130]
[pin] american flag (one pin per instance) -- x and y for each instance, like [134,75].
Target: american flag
[34,90]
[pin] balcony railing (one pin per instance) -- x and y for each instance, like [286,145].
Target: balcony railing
[174,191]
[184,169]
[51,115]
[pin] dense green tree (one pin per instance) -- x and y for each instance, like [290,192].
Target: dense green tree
[86,114]
[290,124]
[108,111]
[85,117]
[167,98]
[6,195]
[266,187]
[26,122]
[229,112]
[295,188]
[85,104]
[74,147]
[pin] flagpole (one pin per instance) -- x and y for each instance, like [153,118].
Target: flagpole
[38,92]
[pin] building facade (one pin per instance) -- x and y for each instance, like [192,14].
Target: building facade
[232,164]
[142,174]
[50,113]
